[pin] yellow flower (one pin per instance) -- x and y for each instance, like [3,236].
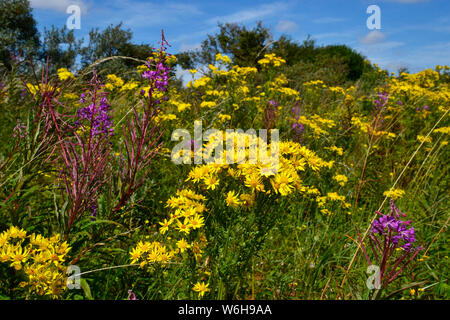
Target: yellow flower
[254,182]
[183,245]
[209,104]
[15,232]
[247,200]
[394,193]
[424,139]
[224,117]
[232,199]
[333,196]
[341,179]
[183,227]
[201,288]
[211,182]
[165,225]
[115,80]
[271,59]
[135,255]
[281,183]
[196,221]
[64,74]
[19,256]
[223,58]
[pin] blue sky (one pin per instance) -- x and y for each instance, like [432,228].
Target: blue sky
[414,33]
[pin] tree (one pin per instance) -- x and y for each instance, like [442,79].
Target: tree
[114,41]
[293,52]
[60,47]
[19,36]
[352,59]
[243,46]
[110,42]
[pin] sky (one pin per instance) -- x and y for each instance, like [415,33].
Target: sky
[413,33]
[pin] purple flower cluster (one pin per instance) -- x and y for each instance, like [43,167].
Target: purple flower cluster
[159,76]
[395,229]
[298,127]
[273,103]
[97,115]
[423,108]
[388,234]
[382,99]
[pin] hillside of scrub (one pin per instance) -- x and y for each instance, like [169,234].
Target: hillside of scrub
[101,172]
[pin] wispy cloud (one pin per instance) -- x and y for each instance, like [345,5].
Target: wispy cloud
[415,60]
[136,14]
[372,37]
[57,5]
[329,20]
[189,47]
[286,26]
[250,14]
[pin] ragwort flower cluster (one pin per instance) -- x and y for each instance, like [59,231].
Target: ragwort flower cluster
[40,260]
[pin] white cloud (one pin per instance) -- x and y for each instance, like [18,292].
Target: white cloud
[188,47]
[415,59]
[58,5]
[329,20]
[286,26]
[250,14]
[372,37]
[137,14]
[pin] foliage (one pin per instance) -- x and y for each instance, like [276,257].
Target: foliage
[89,161]
[19,37]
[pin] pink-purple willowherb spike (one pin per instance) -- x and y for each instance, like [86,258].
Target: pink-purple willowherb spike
[392,242]
[141,134]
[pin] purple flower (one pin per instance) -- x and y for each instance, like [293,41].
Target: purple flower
[158,77]
[390,226]
[273,103]
[423,108]
[98,117]
[387,234]
[382,99]
[298,127]
[131,295]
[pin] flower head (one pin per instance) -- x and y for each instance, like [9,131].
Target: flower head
[201,288]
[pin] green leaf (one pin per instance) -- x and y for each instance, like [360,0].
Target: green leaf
[98,221]
[87,290]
